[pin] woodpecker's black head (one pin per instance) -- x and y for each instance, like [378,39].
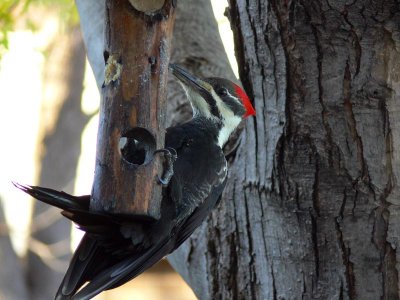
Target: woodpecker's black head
[217,99]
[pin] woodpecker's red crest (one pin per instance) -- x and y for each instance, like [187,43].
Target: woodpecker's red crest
[250,111]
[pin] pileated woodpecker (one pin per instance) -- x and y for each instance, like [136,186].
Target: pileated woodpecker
[115,250]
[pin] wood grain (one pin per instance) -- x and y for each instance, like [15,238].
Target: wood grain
[137,48]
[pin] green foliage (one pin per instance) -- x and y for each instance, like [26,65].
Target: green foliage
[6,20]
[13,11]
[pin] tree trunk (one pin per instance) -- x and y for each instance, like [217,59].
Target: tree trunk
[310,209]
[49,246]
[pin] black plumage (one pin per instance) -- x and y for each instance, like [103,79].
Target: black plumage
[114,250]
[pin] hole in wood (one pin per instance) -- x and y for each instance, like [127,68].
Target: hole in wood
[137,146]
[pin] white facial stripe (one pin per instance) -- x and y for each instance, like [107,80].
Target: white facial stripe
[236,99]
[229,126]
[229,120]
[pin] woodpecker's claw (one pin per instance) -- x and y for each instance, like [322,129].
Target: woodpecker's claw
[163,182]
[170,157]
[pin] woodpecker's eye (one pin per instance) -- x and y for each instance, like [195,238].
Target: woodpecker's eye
[222,92]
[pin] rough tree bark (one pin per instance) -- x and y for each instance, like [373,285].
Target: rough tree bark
[327,206]
[310,209]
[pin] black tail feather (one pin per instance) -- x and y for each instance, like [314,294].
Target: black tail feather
[74,208]
[124,271]
[76,274]
[104,258]
[55,198]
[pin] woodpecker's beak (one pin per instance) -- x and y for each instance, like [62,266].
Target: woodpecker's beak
[196,84]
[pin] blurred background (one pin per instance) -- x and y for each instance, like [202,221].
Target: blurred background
[48,122]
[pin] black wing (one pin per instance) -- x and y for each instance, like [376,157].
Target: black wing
[199,215]
[200,169]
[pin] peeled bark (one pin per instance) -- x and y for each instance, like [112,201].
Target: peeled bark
[132,108]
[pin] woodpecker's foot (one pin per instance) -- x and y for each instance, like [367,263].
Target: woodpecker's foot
[170,157]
